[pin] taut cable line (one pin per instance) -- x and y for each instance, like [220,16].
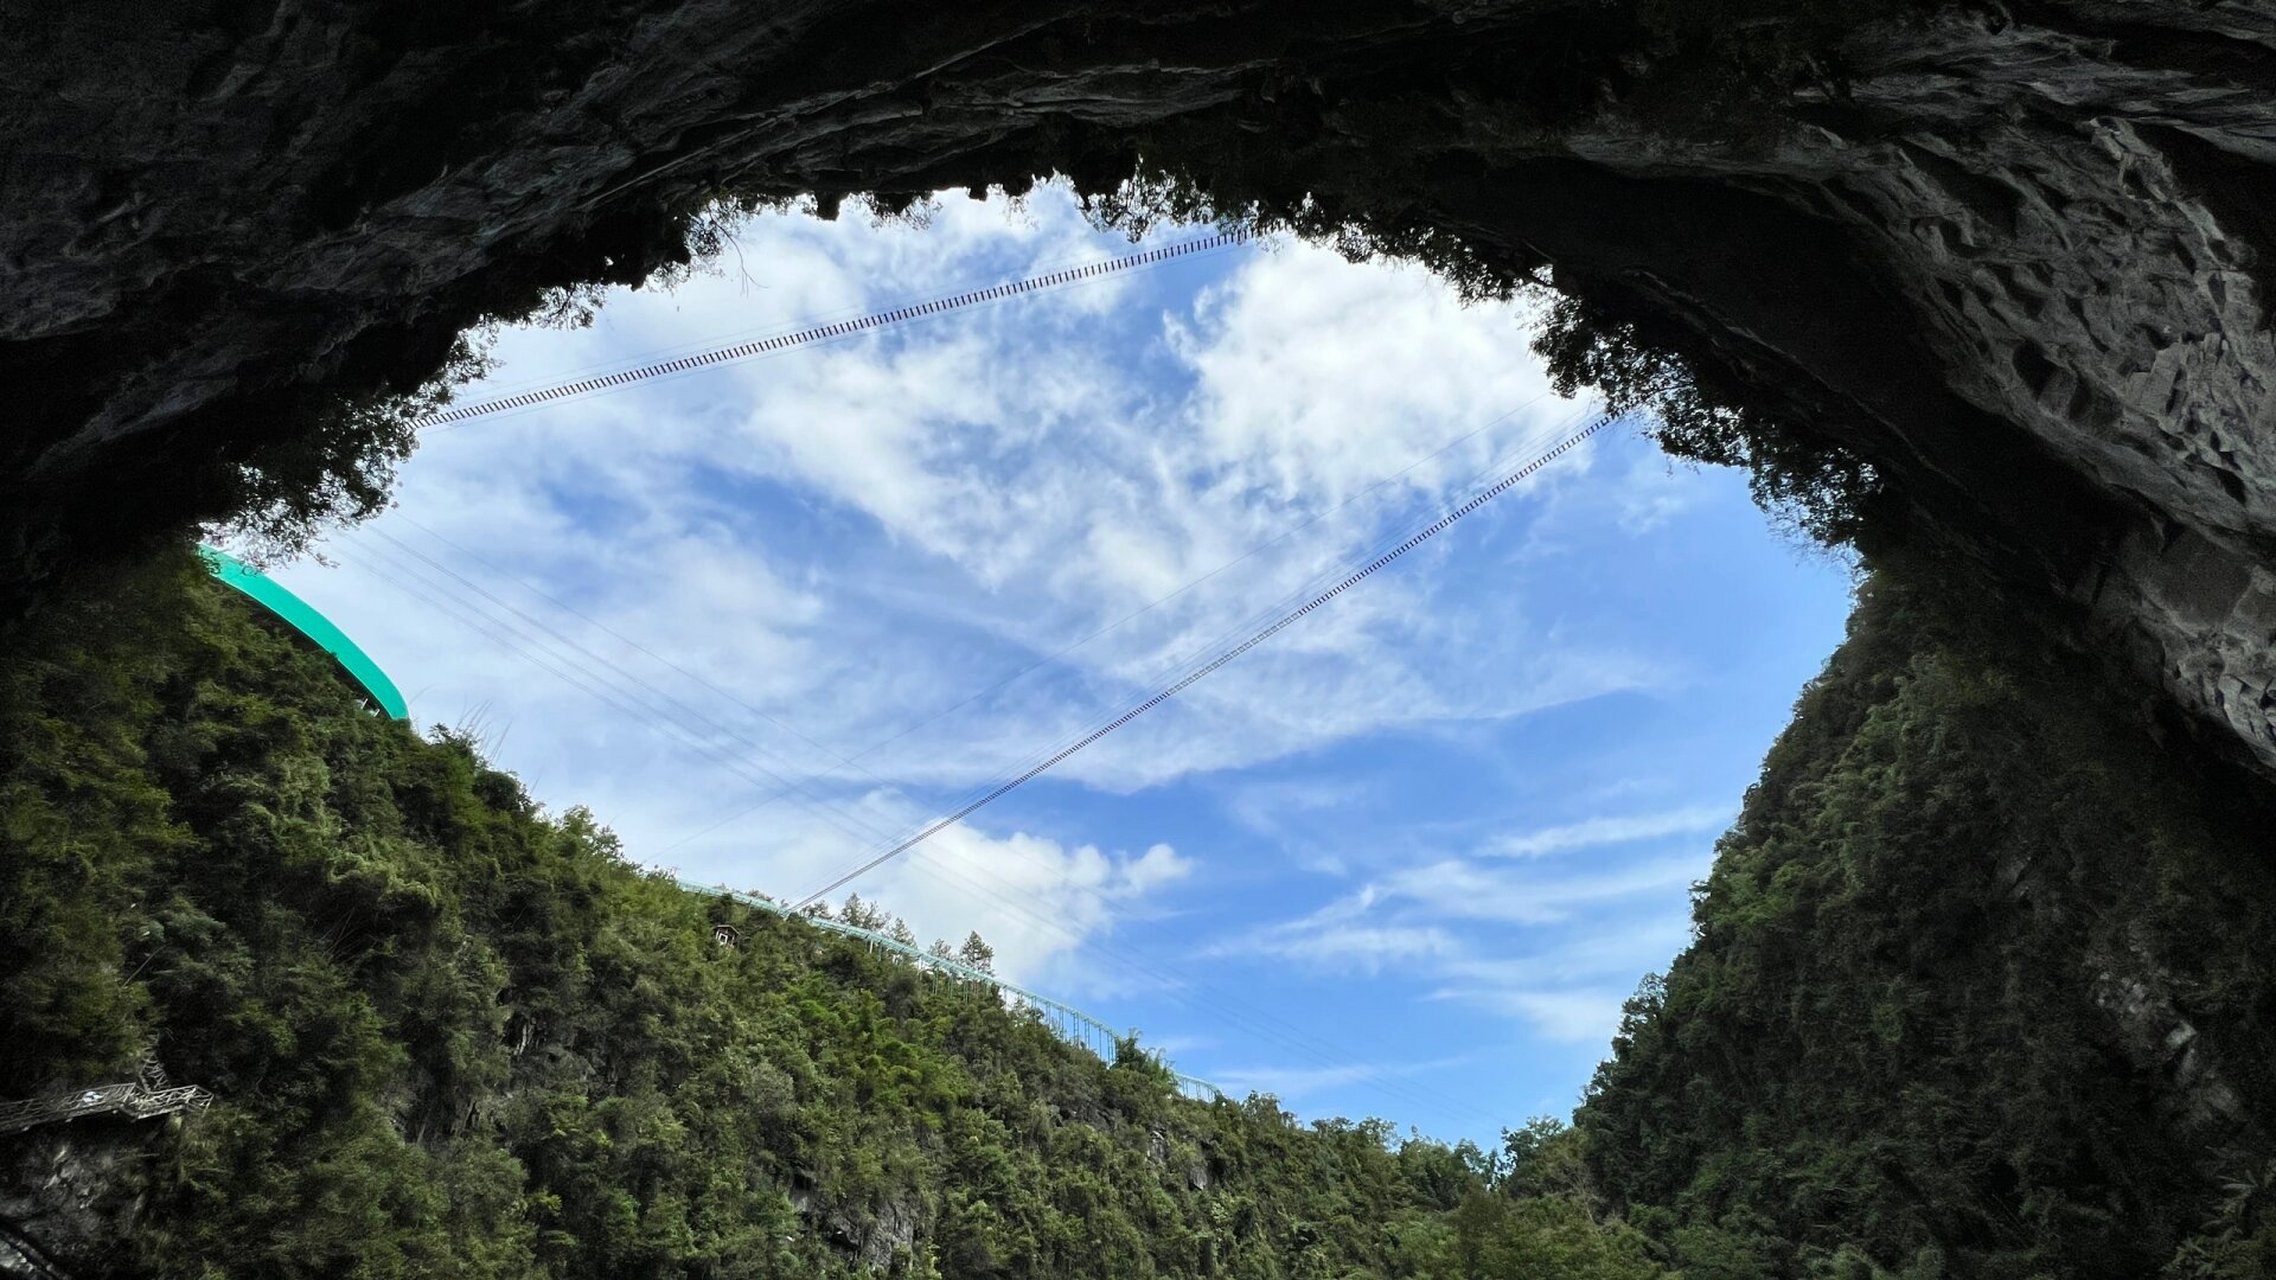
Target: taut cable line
[1177,987]
[1054,656]
[1285,621]
[838,329]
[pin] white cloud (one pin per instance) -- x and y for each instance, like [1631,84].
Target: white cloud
[1623,946]
[1291,1083]
[1372,945]
[1557,947]
[1337,938]
[1571,992]
[1594,832]
[1654,490]
[1570,1016]
[783,563]
[1056,487]
[1037,901]
[1423,900]
[1313,375]
[1465,890]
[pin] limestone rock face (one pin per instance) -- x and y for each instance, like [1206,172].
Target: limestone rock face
[2018,255]
[67,1196]
[2102,283]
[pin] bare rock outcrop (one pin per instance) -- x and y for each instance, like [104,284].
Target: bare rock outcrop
[2017,255]
[68,1195]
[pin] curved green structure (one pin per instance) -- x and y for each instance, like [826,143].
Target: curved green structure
[304,618]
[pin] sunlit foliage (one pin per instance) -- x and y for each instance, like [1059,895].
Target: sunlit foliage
[454,1035]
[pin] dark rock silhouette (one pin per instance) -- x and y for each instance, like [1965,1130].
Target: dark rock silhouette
[2016,256]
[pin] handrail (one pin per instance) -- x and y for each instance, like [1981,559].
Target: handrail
[132,1099]
[303,617]
[1084,1026]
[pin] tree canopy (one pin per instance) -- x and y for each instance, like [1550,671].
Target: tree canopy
[454,1034]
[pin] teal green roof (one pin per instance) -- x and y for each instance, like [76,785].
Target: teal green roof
[304,618]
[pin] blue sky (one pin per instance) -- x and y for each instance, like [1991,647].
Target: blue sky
[1405,860]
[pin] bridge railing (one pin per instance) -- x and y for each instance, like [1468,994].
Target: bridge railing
[1068,1022]
[133,1099]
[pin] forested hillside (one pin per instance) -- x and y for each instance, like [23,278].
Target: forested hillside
[1979,988]
[453,1035]
[1983,985]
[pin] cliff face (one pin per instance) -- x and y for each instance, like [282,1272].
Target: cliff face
[2016,255]
[68,1194]
[1975,988]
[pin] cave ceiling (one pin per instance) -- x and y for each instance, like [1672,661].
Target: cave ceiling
[2017,256]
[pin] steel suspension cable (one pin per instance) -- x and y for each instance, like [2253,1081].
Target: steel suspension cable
[838,329]
[1046,659]
[829,331]
[1258,617]
[623,691]
[1284,622]
[494,387]
[1176,986]
[1257,1020]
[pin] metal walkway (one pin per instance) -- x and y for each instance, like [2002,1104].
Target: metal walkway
[142,1099]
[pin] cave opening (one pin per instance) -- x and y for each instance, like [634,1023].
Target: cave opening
[773,612]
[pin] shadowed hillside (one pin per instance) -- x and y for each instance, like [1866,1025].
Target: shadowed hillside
[1980,982]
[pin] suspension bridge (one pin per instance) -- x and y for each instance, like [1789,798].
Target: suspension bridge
[146,1097]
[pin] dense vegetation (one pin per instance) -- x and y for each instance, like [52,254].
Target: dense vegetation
[454,1035]
[1982,986]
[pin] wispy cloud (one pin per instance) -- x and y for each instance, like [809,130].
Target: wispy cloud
[1623,829]
[867,577]
[1582,1015]
[868,530]
[1503,930]
[1038,901]
[1468,890]
[1294,1083]
[1571,991]
[1346,945]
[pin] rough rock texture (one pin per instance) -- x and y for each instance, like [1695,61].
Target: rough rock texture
[68,1197]
[2018,255]
[878,1236]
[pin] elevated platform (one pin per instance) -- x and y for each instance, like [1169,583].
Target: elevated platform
[133,1100]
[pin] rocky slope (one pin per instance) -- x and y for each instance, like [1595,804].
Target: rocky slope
[2016,255]
[71,1193]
